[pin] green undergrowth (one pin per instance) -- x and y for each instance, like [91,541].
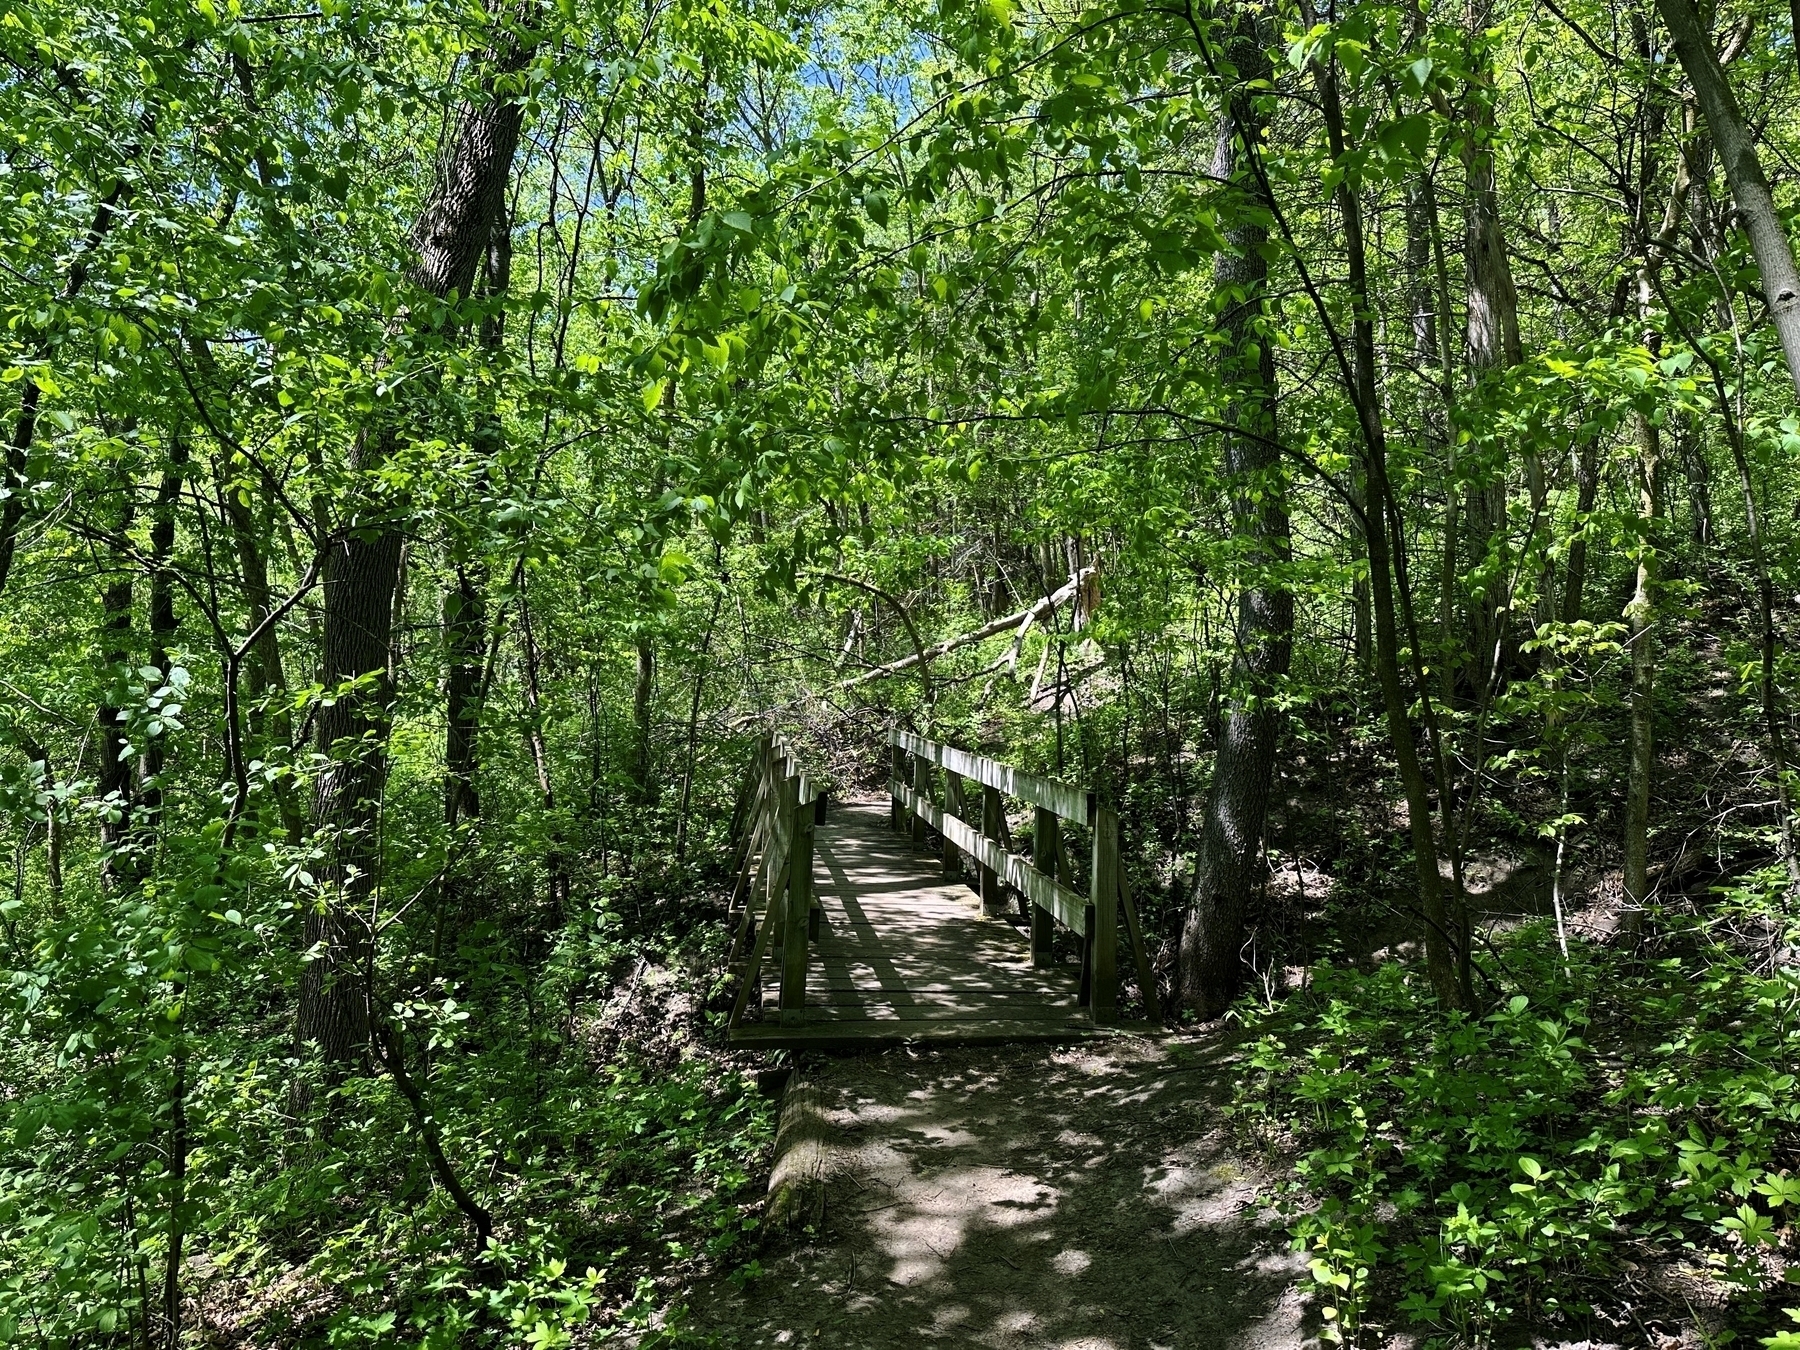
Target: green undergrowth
[614,1170]
[1629,1118]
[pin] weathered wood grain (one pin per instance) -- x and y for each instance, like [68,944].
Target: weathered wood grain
[802,1139]
[905,955]
[1071,803]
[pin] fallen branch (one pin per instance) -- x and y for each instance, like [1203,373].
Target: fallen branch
[390,1050]
[802,1153]
[921,656]
[1079,588]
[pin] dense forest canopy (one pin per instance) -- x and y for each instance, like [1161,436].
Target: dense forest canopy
[1357,439]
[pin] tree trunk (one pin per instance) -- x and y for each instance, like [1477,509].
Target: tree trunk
[113,778]
[1493,340]
[362,570]
[271,715]
[693,729]
[642,708]
[1769,645]
[1428,290]
[1446,950]
[1736,151]
[540,754]
[465,644]
[163,623]
[465,603]
[1237,805]
[18,449]
[1587,487]
[1640,614]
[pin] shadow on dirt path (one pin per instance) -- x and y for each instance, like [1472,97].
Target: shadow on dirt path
[1066,1198]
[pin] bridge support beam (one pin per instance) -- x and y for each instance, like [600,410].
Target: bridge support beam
[797,927]
[921,782]
[1045,831]
[1103,918]
[953,806]
[897,773]
[992,900]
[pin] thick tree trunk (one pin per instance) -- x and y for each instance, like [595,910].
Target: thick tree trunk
[1493,341]
[362,570]
[465,602]
[1237,805]
[1736,150]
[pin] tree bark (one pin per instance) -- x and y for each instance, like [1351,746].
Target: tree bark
[1428,285]
[540,753]
[465,643]
[1493,338]
[163,624]
[18,449]
[642,710]
[1446,949]
[1640,614]
[1237,804]
[113,779]
[362,570]
[465,602]
[271,716]
[1736,151]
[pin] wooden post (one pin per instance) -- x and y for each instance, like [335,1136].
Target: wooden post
[1146,973]
[896,775]
[921,783]
[992,902]
[1103,916]
[1044,831]
[953,803]
[1086,995]
[798,926]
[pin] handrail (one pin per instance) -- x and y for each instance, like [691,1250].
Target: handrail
[1039,880]
[1071,803]
[810,791]
[777,850]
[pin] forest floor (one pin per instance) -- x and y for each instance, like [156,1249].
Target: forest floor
[1078,1197]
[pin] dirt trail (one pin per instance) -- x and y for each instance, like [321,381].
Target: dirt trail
[1060,1198]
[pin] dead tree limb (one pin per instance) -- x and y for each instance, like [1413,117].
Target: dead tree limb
[1078,588]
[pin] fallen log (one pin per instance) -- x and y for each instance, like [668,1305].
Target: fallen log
[1082,588]
[802,1144]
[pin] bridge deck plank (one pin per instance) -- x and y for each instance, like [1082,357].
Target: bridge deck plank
[905,954]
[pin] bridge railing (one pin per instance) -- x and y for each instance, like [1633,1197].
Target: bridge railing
[1045,880]
[779,808]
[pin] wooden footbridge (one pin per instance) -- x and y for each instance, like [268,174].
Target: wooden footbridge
[867,924]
